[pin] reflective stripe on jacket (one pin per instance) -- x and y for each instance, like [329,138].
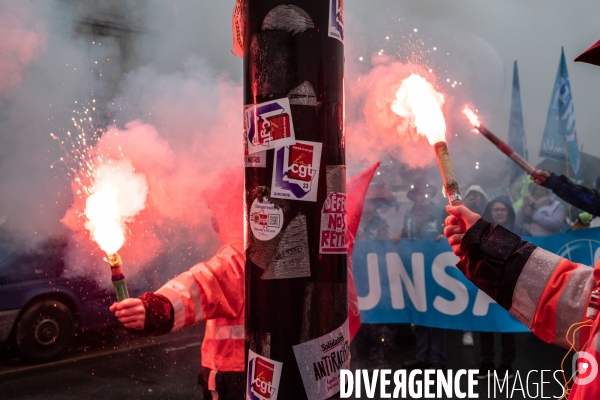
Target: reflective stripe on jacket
[547,293]
[213,291]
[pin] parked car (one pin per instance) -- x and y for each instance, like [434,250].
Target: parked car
[40,308]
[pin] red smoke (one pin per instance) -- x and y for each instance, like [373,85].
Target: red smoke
[372,126]
[23,37]
[175,211]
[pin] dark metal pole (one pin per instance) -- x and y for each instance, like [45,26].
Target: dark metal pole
[296,276]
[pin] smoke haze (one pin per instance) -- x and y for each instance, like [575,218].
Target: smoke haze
[169,95]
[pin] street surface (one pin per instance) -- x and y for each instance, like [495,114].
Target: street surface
[102,367]
[105,366]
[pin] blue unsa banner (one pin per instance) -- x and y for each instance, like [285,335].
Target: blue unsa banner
[416,281]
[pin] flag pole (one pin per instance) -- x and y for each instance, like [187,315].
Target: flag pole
[569,220]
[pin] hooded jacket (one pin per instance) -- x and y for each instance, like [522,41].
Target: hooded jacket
[547,293]
[478,189]
[548,218]
[510,223]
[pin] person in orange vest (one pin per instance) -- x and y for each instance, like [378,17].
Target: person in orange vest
[558,300]
[555,298]
[213,291]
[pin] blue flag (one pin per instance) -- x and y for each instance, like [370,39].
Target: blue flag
[516,128]
[560,135]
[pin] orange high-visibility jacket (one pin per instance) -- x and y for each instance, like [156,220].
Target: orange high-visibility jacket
[547,293]
[213,291]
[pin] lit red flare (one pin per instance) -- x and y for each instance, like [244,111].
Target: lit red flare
[473,118]
[117,194]
[419,102]
[502,146]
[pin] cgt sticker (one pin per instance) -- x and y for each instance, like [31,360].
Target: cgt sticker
[320,361]
[334,236]
[263,377]
[336,19]
[268,125]
[266,220]
[296,171]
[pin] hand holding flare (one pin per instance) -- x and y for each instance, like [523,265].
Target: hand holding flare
[118,279]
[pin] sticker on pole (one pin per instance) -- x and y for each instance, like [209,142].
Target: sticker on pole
[296,171]
[320,361]
[336,19]
[268,125]
[263,377]
[291,259]
[256,160]
[333,238]
[238,27]
[265,219]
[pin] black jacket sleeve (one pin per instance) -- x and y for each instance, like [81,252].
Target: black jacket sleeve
[581,197]
[494,258]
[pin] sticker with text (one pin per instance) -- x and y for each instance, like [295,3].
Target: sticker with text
[256,160]
[296,171]
[320,361]
[266,219]
[334,236]
[263,377]
[267,126]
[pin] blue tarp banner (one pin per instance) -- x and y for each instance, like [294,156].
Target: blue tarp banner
[416,281]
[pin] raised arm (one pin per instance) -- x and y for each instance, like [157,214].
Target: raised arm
[581,197]
[212,289]
[545,292]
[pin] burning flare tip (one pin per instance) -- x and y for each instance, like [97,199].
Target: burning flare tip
[473,118]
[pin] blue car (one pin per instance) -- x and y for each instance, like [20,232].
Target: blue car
[40,309]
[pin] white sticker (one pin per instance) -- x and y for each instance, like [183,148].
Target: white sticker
[291,259]
[334,236]
[268,125]
[257,160]
[263,377]
[265,219]
[336,19]
[320,361]
[296,171]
